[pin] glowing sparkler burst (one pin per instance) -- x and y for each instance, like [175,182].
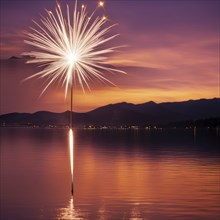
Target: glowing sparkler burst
[71,48]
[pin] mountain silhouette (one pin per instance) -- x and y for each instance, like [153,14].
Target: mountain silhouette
[123,114]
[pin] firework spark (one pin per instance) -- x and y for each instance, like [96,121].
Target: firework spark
[72,49]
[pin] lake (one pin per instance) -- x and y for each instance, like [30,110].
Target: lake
[118,174]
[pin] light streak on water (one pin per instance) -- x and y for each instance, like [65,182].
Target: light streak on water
[71,148]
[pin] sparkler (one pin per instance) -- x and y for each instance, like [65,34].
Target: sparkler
[72,49]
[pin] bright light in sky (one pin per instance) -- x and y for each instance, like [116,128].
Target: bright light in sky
[101,3]
[72,58]
[71,48]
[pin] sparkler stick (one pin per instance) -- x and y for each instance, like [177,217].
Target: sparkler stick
[71,134]
[71,107]
[71,48]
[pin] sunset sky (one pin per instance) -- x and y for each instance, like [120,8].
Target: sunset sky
[171,54]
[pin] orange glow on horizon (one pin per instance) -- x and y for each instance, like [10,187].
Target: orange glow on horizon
[97,98]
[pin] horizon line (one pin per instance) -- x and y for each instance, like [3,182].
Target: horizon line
[123,102]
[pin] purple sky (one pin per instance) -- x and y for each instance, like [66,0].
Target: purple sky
[172,54]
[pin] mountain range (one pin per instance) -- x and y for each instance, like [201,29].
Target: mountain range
[149,113]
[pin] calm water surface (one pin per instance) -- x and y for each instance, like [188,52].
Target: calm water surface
[154,175]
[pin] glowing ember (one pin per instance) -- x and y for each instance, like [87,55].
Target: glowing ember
[101,3]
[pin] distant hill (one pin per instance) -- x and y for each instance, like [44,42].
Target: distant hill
[149,113]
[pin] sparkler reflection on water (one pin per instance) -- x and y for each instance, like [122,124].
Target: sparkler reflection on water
[70,212]
[71,148]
